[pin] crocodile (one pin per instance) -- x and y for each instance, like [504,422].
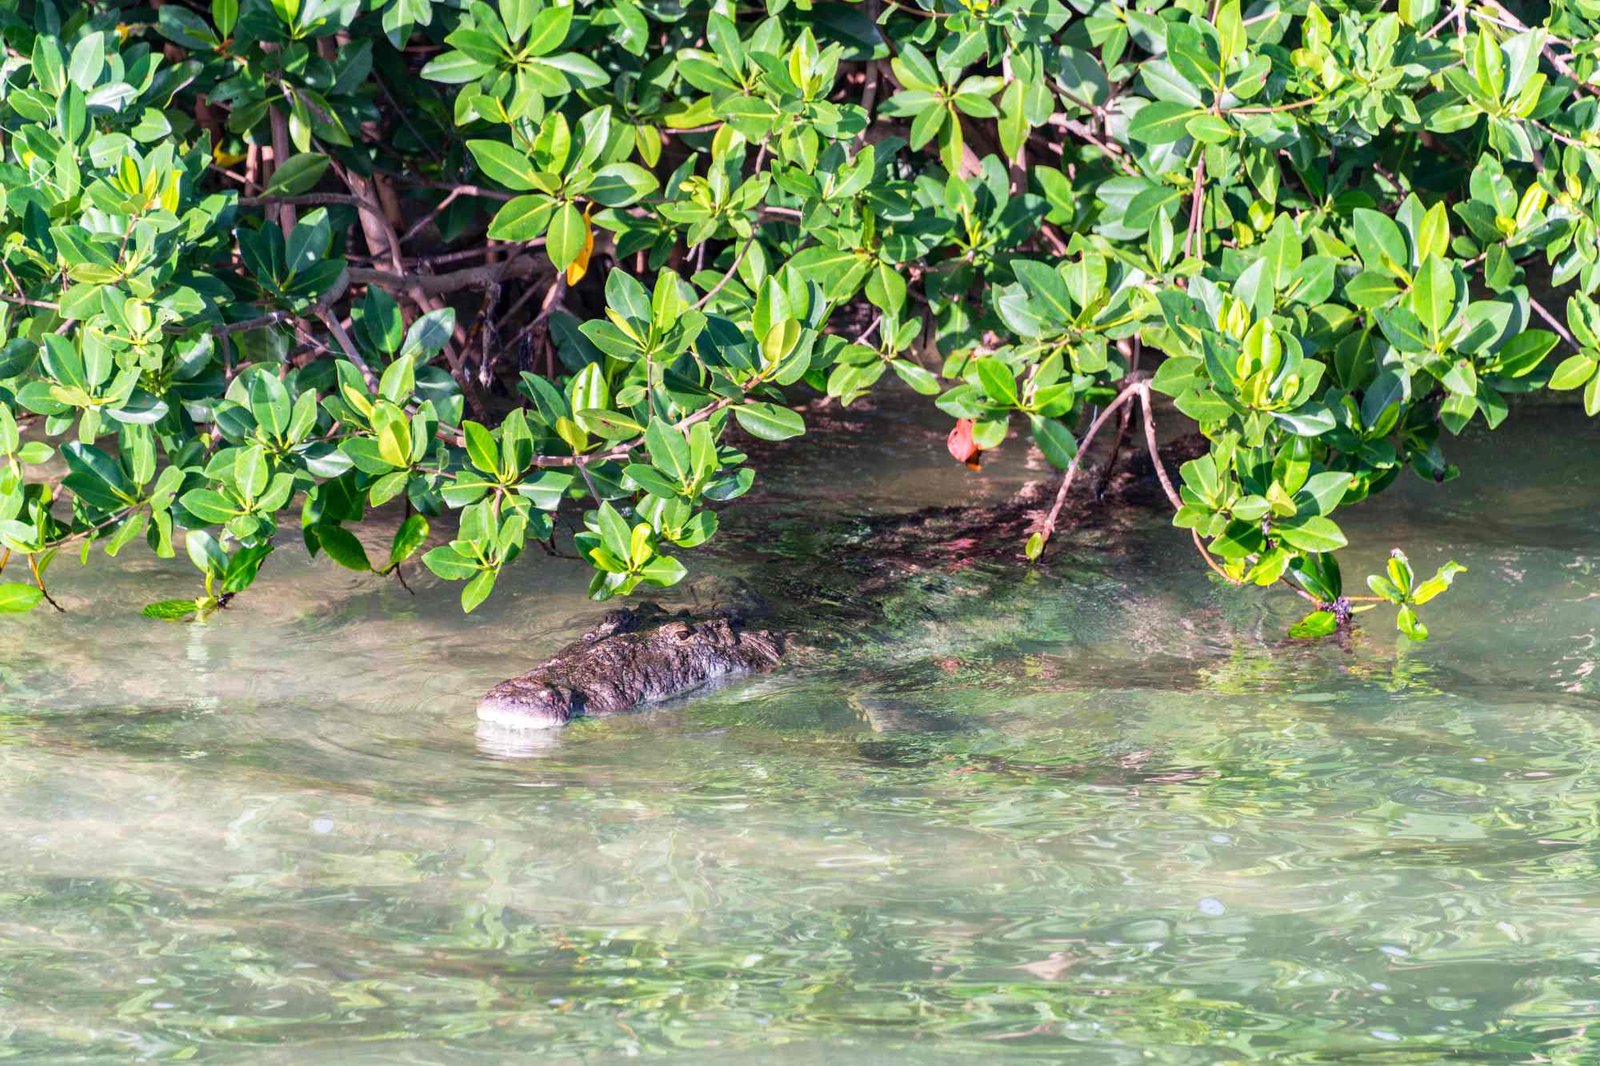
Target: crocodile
[646,654]
[634,656]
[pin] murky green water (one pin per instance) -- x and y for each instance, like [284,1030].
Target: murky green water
[1103,815]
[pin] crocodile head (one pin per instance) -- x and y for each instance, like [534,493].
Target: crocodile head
[522,703]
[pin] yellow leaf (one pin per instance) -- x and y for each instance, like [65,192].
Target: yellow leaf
[572,433]
[172,195]
[580,266]
[648,141]
[639,548]
[128,176]
[394,444]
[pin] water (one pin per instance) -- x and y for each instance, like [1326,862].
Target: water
[1103,815]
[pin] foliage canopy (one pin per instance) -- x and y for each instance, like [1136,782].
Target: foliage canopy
[267,255]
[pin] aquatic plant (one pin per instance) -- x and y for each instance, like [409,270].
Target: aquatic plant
[518,259]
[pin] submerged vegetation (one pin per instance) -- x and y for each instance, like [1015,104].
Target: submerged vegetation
[524,261]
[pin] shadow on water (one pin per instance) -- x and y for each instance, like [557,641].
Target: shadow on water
[1097,812]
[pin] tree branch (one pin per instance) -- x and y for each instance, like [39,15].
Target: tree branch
[1049,527]
[472,278]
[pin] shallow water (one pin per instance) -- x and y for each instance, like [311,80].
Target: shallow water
[1100,814]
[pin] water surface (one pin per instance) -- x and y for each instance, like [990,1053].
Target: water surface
[1103,813]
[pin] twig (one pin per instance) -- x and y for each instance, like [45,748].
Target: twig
[24,301]
[1449,17]
[1116,451]
[337,329]
[38,579]
[919,11]
[280,154]
[727,275]
[1110,149]
[459,190]
[1049,526]
[310,199]
[472,278]
[1270,109]
[1155,451]
[422,223]
[1553,322]
[1205,554]
[1196,208]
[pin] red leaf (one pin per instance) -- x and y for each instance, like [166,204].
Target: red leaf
[963,449]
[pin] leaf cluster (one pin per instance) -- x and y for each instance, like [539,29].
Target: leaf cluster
[261,258]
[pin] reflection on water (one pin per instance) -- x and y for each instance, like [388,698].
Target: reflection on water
[1102,813]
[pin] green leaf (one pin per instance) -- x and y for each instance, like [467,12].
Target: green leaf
[1574,371]
[1322,492]
[342,547]
[88,59]
[1013,125]
[1433,233]
[769,421]
[1461,378]
[1371,288]
[449,564]
[912,69]
[209,506]
[1314,625]
[1201,475]
[1046,289]
[205,553]
[653,481]
[663,571]
[16,356]
[1408,623]
[170,610]
[429,333]
[1162,122]
[1433,295]
[1441,580]
[1312,533]
[1054,440]
[1209,129]
[482,451]
[620,184]
[1379,241]
[1385,588]
[243,567]
[411,535]
[567,236]
[614,531]
[589,390]
[669,451]
[547,31]
[17,598]
[454,68]
[1402,329]
[1522,354]
[999,382]
[919,378]
[477,590]
[522,218]
[298,174]
[505,164]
